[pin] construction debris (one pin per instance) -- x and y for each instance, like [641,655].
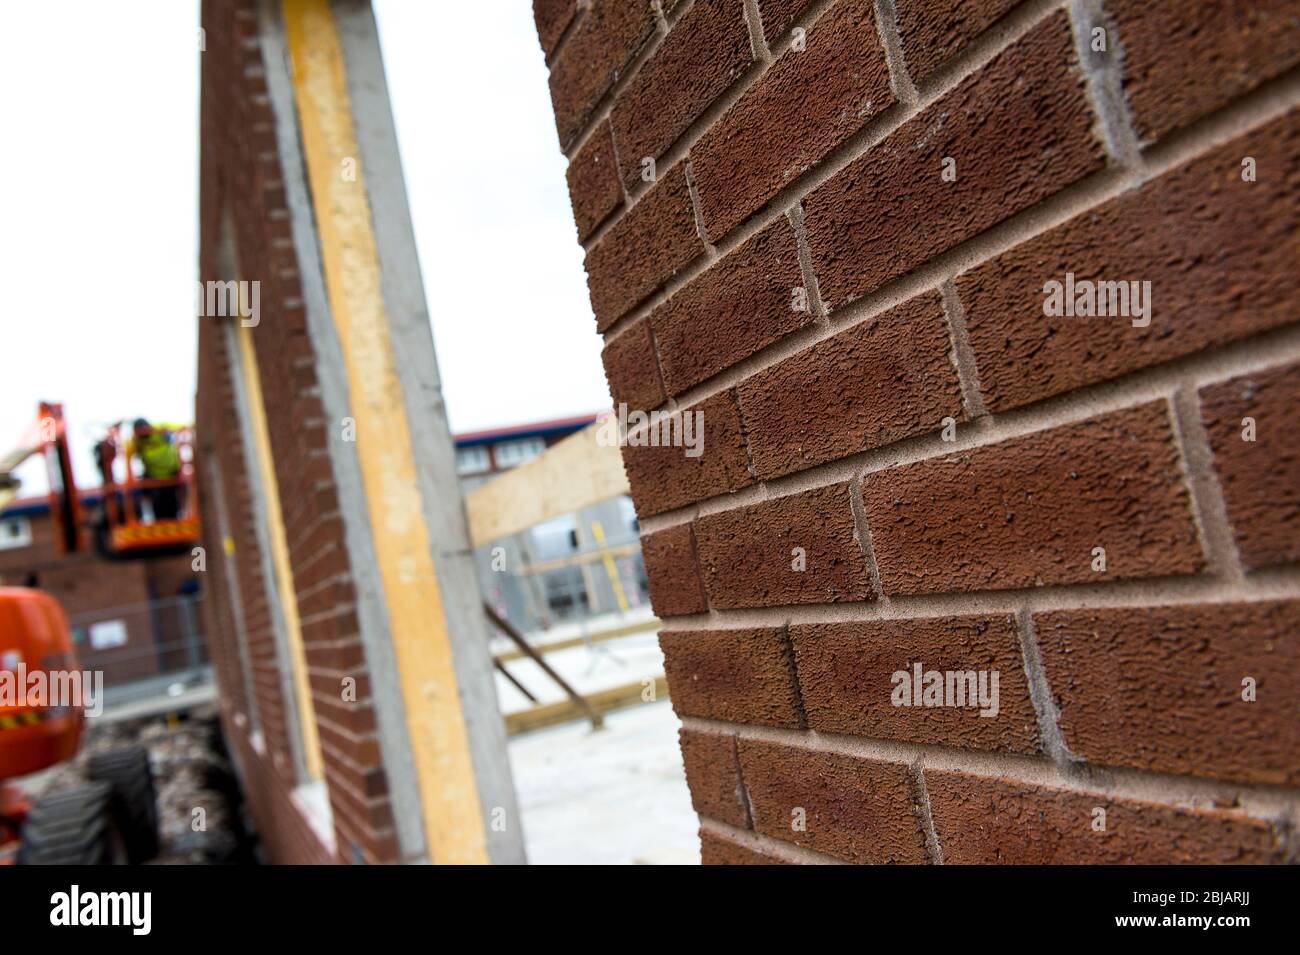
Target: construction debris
[200,813]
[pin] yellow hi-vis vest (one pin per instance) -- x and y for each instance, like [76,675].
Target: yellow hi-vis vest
[159,457]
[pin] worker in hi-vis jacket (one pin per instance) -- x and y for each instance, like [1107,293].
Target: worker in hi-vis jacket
[160,461]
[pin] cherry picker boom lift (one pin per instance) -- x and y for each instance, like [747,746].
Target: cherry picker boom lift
[113,817]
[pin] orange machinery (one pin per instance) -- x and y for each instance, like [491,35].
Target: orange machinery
[47,435]
[36,730]
[34,637]
[113,817]
[128,532]
[123,529]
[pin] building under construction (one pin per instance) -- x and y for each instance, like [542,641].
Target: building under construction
[953,351]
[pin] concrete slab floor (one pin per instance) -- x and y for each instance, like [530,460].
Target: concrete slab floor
[613,797]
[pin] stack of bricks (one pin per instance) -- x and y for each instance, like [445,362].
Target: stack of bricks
[832,228]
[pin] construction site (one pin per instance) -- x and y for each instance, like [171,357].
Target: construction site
[660,432]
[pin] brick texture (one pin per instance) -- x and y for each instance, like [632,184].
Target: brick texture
[1219,269]
[1261,477]
[632,370]
[807,104]
[1030,511]
[778,16]
[855,809]
[553,18]
[1073,538]
[600,48]
[1162,688]
[1183,59]
[882,380]
[932,32]
[981,821]
[675,586]
[739,306]
[717,850]
[740,676]
[864,225]
[666,476]
[707,49]
[846,673]
[713,775]
[594,182]
[644,249]
[751,556]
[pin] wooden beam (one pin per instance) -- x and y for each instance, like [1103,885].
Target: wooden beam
[579,471]
[568,643]
[579,559]
[567,711]
[574,696]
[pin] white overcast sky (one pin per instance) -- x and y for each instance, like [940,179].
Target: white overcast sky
[98,214]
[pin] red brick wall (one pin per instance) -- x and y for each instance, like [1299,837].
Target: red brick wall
[91,588]
[83,583]
[241,175]
[908,461]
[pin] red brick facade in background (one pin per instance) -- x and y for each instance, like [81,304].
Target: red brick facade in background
[140,592]
[241,178]
[907,461]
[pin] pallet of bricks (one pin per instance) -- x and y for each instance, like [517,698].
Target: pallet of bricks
[988,311]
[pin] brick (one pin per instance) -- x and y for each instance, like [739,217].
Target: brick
[664,478]
[633,370]
[675,586]
[981,820]
[933,32]
[855,809]
[1183,59]
[713,775]
[738,676]
[553,18]
[879,381]
[891,211]
[1260,478]
[596,54]
[846,674]
[707,50]
[593,182]
[1028,511]
[718,850]
[644,249]
[1220,264]
[747,555]
[1160,688]
[738,307]
[808,103]
[778,16]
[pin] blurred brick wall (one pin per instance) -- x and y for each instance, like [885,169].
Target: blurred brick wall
[241,177]
[828,226]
